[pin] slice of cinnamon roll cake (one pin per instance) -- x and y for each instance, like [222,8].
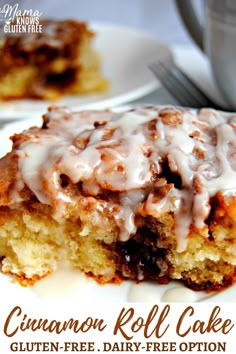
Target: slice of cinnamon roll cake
[61,60]
[149,193]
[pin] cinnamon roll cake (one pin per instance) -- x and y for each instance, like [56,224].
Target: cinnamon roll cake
[146,194]
[59,61]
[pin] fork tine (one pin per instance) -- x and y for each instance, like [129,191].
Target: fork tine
[166,80]
[192,88]
[190,98]
[172,85]
[180,86]
[178,92]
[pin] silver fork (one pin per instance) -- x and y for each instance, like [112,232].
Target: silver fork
[179,85]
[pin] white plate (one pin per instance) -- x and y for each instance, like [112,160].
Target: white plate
[66,286]
[125,56]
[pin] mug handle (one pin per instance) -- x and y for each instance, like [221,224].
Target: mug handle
[191,22]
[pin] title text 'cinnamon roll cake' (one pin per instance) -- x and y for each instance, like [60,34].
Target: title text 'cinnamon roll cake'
[144,194]
[62,60]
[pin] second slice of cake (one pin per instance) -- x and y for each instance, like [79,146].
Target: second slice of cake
[59,61]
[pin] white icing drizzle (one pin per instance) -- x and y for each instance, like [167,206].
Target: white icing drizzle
[179,294]
[126,155]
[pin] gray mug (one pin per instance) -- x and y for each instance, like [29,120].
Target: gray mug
[217,39]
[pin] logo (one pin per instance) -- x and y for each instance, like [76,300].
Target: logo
[15,20]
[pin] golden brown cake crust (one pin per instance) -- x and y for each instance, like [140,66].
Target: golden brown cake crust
[8,171]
